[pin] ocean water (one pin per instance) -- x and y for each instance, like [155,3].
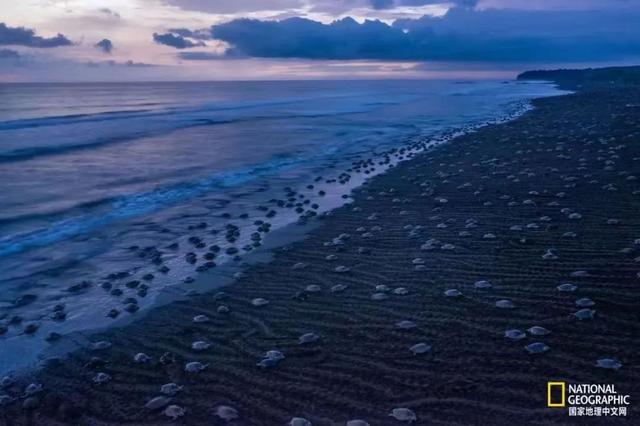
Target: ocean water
[102,185]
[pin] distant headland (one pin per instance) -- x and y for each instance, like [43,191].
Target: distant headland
[591,77]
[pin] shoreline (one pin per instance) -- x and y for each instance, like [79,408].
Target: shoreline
[442,223]
[74,336]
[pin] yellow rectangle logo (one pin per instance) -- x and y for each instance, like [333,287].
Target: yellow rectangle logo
[550,399]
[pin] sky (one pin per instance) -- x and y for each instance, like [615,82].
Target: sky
[149,40]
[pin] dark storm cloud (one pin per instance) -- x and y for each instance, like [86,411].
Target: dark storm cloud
[463,34]
[177,41]
[303,38]
[105,45]
[20,36]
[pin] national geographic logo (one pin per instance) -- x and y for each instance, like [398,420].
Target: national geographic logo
[556,394]
[584,399]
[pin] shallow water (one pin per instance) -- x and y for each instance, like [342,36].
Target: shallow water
[94,173]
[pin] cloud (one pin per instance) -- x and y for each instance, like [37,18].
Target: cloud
[20,36]
[112,63]
[390,4]
[8,54]
[235,6]
[555,4]
[133,64]
[177,41]
[203,34]
[462,34]
[105,45]
[303,38]
[337,7]
[109,12]
[382,4]
[200,56]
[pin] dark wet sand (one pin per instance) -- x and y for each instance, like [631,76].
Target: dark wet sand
[361,367]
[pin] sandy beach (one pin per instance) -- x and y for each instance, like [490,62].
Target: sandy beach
[454,286]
